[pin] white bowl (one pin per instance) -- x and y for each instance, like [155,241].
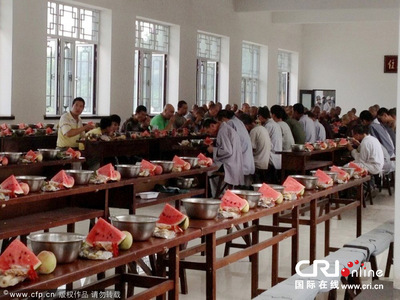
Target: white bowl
[148,195]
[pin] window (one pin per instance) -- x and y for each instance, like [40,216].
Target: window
[208,57]
[284,68]
[73,35]
[152,44]
[250,74]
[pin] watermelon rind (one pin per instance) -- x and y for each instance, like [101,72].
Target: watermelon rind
[11,183]
[171,216]
[231,201]
[103,231]
[63,179]
[17,254]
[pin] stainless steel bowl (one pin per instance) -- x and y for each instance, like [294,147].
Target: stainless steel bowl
[348,170]
[310,182]
[128,171]
[19,132]
[298,147]
[80,176]
[64,245]
[49,154]
[13,157]
[141,227]
[185,182]
[201,208]
[193,161]
[251,196]
[35,182]
[166,165]
[332,175]
[196,142]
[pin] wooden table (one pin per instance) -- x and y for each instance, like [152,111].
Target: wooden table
[304,161]
[325,198]
[68,273]
[26,143]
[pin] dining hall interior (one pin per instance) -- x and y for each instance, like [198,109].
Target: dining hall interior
[124,54]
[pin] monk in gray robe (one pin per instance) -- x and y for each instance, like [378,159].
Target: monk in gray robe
[247,150]
[227,151]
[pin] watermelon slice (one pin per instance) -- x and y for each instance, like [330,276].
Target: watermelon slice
[343,142]
[4,126]
[39,125]
[61,180]
[324,180]
[18,256]
[29,131]
[180,164]
[105,235]
[12,184]
[358,171]
[74,154]
[173,219]
[3,160]
[331,144]
[22,125]
[293,189]
[232,202]
[145,134]
[109,171]
[32,156]
[7,132]
[147,168]
[204,161]
[309,147]
[207,141]
[323,145]
[269,194]
[343,176]
[49,130]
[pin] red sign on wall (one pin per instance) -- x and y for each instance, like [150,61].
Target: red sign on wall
[390,65]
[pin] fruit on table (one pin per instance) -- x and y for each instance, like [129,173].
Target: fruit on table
[25,187]
[73,153]
[13,185]
[127,242]
[105,235]
[172,217]
[208,141]
[180,164]
[269,194]
[343,176]
[61,180]
[147,168]
[293,188]
[49,262]
[109,171]
[232,202]
[204,160]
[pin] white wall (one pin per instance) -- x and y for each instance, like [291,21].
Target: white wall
[219,17]
[348,58]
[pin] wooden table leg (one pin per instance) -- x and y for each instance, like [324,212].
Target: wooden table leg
[173,270]
[254,262]
[295,238]
[360,197]
[211,257]
[327,228]
[313,230]
[275,253]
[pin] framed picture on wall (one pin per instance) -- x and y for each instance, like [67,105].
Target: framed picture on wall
[325,99]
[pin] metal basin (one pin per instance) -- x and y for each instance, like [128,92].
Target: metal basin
[310,182]
[251,196]
[193,161]
[298,147]
[49,154]
[348,170]
[13,157]
[35,182]
[166,165]
[185,182]
[128,171]
[201,208]
[64,245]
[332,175]
[141,227]
[80,176]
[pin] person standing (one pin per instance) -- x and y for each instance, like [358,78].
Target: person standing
[70,127]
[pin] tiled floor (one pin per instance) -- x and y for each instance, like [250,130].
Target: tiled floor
[233,281]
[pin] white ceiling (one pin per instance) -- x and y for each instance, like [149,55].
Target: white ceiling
[323,11]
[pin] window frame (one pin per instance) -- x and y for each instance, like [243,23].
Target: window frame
[252,78]
[284,69]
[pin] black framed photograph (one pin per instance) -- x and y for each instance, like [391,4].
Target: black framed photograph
[324,99]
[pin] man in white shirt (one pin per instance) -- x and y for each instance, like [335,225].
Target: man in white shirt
[369,154]
[261,144]
[308,124]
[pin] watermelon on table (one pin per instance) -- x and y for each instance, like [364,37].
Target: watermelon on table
[7,132]
[323,145]
[39,125]
[105,235]
[32,156]
[358,170]
[208,141]
[11,183]
[173,218]
[232,202]
[269,194]
[343,142]
[180,164]
[18,257]
[49,130]
[324,180]
[309,147]
[73,153]
[147,168]
[292,189]
[22,125]
[343,176]
[3,126]
[29,131]
[61,180]
[109,171]
[204,161]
